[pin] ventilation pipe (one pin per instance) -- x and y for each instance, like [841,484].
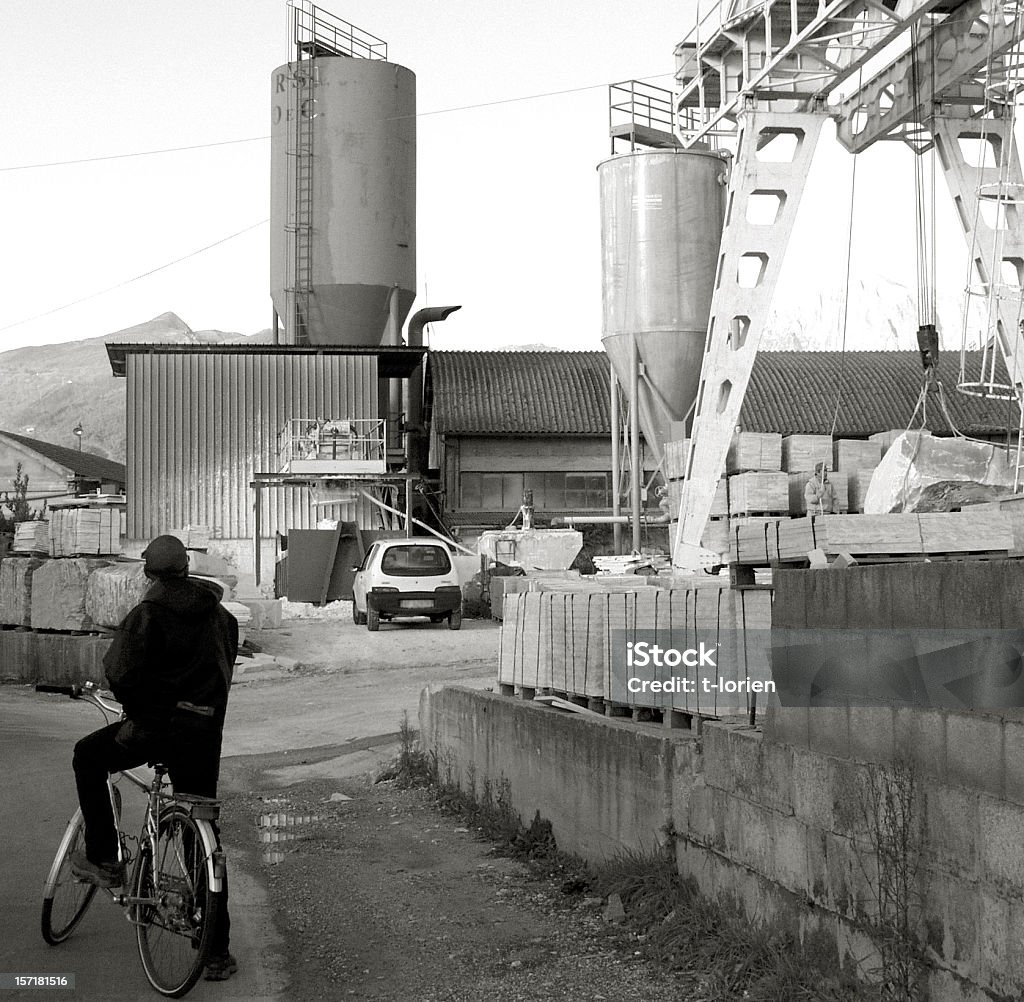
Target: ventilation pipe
[416,443]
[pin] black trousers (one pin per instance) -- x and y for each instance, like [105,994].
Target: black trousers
[192,757]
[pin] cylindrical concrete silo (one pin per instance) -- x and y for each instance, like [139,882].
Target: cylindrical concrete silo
[662,213]
[359,163]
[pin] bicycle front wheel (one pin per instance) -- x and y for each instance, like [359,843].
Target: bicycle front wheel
[174,924]
[65,899]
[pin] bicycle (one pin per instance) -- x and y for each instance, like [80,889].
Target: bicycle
[177,874]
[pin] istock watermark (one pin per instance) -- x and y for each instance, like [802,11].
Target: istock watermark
[724,671]
[663,668]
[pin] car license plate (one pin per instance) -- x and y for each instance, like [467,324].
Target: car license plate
[416,603]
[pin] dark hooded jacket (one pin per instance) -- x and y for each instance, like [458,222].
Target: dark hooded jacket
[178,644]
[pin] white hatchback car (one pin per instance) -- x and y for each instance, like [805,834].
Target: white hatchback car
[402,578]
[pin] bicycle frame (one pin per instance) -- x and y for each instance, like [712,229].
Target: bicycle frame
[157,797]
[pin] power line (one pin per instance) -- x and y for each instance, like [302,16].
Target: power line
[257,139]
[140,153]
[136,278]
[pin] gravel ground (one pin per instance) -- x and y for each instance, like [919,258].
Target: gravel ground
[382,897]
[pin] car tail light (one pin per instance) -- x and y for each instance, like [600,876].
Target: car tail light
[383,588]
[449,588]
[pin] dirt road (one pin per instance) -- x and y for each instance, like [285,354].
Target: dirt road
[376,894]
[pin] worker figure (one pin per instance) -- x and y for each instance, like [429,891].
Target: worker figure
[819,494]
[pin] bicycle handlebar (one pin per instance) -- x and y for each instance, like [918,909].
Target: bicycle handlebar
[90,693]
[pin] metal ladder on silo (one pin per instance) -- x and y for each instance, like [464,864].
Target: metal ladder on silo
[302,109]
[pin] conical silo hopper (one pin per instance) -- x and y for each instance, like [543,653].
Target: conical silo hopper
[662,213]
[357,164]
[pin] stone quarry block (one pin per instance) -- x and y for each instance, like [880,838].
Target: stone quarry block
[113,591]
[58,594]
[16,590]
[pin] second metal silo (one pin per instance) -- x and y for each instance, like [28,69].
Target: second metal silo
[343,149]
[662,213]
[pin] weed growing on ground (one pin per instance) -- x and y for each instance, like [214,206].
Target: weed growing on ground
[413,767]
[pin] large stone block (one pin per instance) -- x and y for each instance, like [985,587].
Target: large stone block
[16,590]
[58,593]
[112,592]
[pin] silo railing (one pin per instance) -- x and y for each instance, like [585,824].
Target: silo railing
[357,440]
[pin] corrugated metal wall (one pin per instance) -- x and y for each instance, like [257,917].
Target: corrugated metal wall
[200,425]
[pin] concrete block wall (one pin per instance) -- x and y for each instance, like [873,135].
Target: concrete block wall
[780,830]
[605,786]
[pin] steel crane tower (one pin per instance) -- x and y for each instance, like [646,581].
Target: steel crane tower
[766,74]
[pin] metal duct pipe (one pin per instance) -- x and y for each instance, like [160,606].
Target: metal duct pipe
[415,442]
[428,315]
[571,520]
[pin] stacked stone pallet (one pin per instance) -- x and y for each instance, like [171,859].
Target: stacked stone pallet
[573,643]
[76,532]
[874,536]
[32,537]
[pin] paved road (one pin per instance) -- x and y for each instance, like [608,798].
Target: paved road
[349,719]
[37,734]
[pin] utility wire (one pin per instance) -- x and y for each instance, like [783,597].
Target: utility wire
[136,278]
[257,139]
[140,153]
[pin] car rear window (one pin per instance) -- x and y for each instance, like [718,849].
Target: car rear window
[415,561]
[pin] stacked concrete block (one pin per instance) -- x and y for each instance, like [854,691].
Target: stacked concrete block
[58,594]
[16,590]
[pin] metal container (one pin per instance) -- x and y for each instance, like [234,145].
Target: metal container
[662,214]
[362,158]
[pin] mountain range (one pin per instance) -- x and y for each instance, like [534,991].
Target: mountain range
[47,390]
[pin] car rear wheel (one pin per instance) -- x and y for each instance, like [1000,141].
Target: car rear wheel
[359,618]
[455,619]
[372,619]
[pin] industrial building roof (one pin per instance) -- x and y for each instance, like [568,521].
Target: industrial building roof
[81,464]
[520,392]
[790,392]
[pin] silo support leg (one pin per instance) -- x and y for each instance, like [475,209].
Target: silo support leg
[773,159]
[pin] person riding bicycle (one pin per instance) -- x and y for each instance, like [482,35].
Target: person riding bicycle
[170,667]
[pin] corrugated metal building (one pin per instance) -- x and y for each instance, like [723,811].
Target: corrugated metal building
[505,420]
[204,420]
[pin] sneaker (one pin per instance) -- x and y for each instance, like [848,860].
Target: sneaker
[100,874]
[221,967]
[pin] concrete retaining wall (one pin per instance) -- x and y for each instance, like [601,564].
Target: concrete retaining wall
[780,830]
[605,786]
[56,658]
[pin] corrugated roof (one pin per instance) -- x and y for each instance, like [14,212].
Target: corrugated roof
[795,392]
[520,392]
[790,392]
[81,464]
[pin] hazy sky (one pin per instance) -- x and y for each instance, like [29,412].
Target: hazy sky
[508,215]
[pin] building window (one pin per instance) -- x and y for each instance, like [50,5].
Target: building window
[551,491]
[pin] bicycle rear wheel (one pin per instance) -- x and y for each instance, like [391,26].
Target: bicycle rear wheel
[65,899]
[174,928]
